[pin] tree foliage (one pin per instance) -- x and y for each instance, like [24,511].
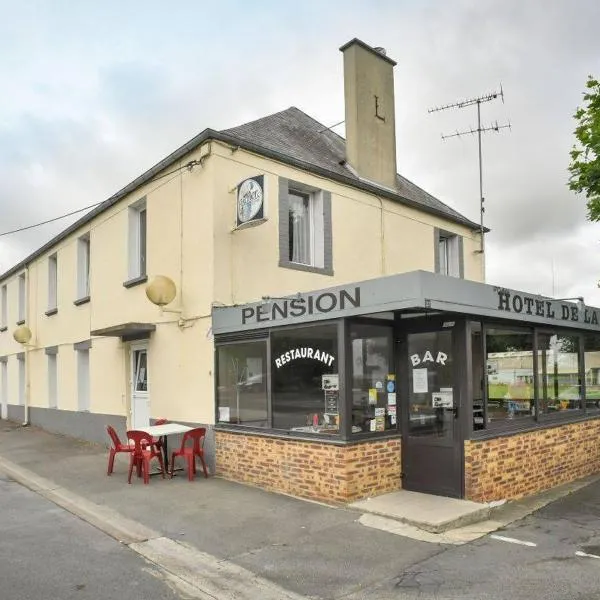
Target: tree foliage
[585,155]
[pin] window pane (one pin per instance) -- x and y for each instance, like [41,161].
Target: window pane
[443,255]
[509,364]
[141,371]
[303,398]
[299,226]
[373,379]
[558,373]
[142,249]
[591,345]
[431,397]
[4,316]
[242,384]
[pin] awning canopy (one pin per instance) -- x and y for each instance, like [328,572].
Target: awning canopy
[127,331]
[419,291]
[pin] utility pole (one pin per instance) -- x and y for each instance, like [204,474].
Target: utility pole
[479,130]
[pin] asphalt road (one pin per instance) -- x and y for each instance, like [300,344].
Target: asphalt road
[47,553]
[549,563]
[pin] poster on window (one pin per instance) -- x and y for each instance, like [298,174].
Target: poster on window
[419,381]
[250,201]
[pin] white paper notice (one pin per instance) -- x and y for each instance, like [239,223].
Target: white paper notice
[392,398]
[419,381]
[224,414]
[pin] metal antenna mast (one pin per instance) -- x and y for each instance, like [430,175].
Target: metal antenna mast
[479,130]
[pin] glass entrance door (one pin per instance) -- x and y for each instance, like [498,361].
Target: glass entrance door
[431,441]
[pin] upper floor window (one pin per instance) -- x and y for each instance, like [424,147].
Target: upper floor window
[449,254]
[305,240]
[22,291]
[52,283]
[4,307]
[137,239]
[83,266]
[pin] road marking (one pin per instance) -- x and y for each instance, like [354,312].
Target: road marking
[512,540]
[580,553]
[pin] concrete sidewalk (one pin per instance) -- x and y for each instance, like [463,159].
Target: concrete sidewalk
[232,532]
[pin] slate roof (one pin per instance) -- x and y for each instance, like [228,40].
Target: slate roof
[295,134]
[289,136]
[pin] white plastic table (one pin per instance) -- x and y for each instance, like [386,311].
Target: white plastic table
[163,431]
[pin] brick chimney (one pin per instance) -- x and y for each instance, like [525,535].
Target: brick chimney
[370,119]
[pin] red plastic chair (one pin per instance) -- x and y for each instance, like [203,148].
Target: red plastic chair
[118,446]
[196,436]
[143,452]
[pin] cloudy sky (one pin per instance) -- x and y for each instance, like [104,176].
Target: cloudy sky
[94,93]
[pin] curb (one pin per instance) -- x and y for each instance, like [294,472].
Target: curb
[195,574]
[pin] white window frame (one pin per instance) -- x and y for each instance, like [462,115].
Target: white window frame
[53,282]
[83,380]
[22,377]
[52,362]
[83,267]
[4,307]
[138,239]
[22,297]
[316,249]
[448,250]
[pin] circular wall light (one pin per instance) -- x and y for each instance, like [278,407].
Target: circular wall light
[22,334]
[161,290]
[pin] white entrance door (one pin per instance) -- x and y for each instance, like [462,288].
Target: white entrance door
[140,399]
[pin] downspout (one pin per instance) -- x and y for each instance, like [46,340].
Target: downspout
[382,236]
[27,347]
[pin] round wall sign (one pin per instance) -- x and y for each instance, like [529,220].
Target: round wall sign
[250,200]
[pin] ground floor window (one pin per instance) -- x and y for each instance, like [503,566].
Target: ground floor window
[374,406]
[333,378]
[510,374]
[242,383]
[305,374]
[559,384]
[521,373]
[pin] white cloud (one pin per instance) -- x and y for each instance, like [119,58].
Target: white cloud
[95,95]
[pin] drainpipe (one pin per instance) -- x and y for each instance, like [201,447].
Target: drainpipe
[27,346]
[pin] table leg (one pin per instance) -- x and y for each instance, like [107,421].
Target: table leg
[165,452]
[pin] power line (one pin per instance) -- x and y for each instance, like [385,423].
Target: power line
[50,220]
[188,166]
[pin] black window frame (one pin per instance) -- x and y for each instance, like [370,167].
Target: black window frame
[345,384]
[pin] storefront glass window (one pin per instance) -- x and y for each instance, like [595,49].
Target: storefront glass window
[509,365]
[242,384]
[559,385]
[305,367]
[373,379]
[591,345]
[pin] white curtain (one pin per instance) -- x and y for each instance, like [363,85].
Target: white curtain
[299,229]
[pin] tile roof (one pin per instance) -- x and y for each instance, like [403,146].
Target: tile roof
[289,136]
[298,136]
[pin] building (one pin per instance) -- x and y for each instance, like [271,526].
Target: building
[325,317]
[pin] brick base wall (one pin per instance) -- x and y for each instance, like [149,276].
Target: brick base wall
[308,469]
[520,465]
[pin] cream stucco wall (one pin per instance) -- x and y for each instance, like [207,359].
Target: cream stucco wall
[372,236]
[190,215]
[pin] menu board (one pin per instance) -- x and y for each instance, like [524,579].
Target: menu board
[331,401]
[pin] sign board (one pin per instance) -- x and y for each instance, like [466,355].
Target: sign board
[442,400]
[331,401]
[331,381]
[250,201]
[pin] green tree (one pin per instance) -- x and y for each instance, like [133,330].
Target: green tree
[585,155]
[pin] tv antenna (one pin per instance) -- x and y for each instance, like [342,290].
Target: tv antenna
[478,130]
